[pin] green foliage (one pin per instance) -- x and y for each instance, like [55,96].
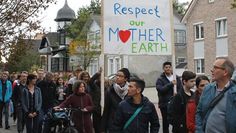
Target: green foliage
[78,31]
[233,4]
[180,7]
[22,57]
[18,17]
[75,30]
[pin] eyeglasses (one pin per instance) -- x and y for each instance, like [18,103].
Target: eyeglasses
[218,67]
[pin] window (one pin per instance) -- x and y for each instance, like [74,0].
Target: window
[114,64]
[180,60]
[93,66]
[199,31]
[91,36]
[199,65]
[118,64]
[97,37]
[180,37]
[221,27]
[111,66]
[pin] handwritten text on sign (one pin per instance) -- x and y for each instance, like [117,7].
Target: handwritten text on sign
[137,27]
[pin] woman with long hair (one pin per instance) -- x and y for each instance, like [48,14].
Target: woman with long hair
[201,82]
[61,95]
[31,103]
[80,100]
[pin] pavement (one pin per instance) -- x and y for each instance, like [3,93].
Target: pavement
[150,92]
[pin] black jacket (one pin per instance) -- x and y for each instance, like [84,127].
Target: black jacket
[17,94]
[48,90]
[95,92]
[112,101]
[179,112]
[140,124]
[165,89]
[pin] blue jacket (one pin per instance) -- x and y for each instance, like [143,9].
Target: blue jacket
[8,91]
[25,100]
[206,97]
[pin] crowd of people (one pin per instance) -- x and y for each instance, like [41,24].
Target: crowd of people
[190,103]
[207,109]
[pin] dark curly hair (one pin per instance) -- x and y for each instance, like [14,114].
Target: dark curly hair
[30,78]
[77,84]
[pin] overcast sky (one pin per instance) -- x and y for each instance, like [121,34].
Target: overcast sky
[48,16]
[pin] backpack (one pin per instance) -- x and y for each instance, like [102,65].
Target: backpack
[170,108]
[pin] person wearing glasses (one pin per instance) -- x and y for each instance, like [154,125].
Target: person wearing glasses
[114,95]
[218,116]
[201,82]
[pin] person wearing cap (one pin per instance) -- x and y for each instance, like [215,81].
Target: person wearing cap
[114,95]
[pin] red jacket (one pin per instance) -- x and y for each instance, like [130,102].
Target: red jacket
[191,109]
[190,115]
[81,119]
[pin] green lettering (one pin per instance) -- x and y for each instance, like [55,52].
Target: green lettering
[142,47]
[164,46]
[150,47]
[156,44]
[134,44]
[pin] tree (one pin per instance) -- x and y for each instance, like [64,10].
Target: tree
[234,4]
[78,32]
[22,56]
[76,29]
[180,7]
[84,50]
[18,16]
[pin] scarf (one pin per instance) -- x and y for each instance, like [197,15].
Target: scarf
[121,91]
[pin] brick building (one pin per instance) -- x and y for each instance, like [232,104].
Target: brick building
[211,33]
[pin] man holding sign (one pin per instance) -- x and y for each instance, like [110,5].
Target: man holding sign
[165,88]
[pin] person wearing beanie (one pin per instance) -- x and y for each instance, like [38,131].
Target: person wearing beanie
[115,94]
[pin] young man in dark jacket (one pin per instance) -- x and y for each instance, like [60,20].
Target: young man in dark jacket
[178,109]
[128,107]
[165,88]
[113,96]
[16,97]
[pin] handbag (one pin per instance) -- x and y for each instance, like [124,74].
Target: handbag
[132,117]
